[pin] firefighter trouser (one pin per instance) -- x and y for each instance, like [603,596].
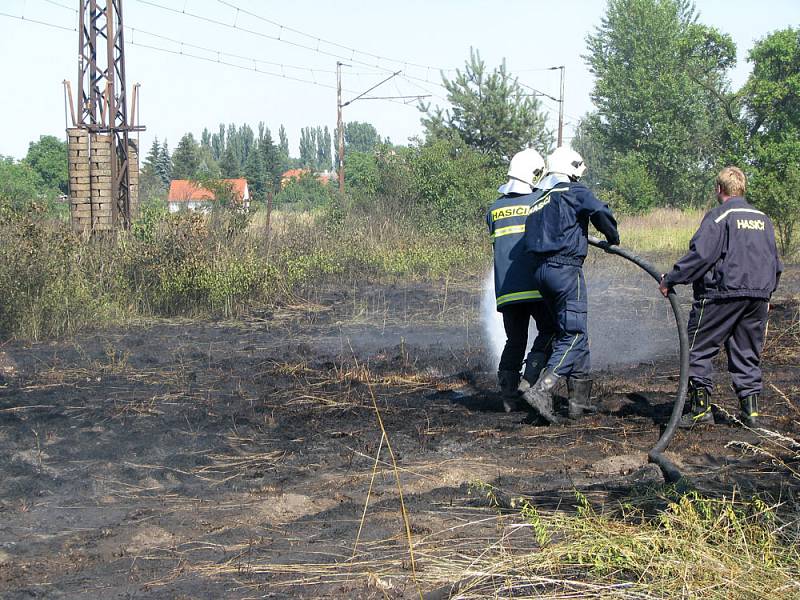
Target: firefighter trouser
[739,324]
[564,291]
[516,318]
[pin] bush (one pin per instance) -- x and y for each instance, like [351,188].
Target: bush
[453,185]
[633,187]
[305,193]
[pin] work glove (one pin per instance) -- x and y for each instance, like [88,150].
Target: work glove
[613,240]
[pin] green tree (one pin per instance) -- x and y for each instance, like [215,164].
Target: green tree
[452,184]
[491,113]
[361,173]
[151,184]
[164,164]
[20,185]
[48,157]
[308,147]
[186,158]
[660,82]
[256,174]
[771,128]
[283,141]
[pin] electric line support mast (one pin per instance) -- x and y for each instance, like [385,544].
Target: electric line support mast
[361,96]
[102,113]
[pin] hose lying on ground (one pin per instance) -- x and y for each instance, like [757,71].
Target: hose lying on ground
[670,471]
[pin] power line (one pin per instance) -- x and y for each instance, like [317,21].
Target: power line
[64,6]
[37,22]
[319,39]
[277,38]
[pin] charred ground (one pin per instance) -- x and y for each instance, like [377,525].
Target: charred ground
[234,459]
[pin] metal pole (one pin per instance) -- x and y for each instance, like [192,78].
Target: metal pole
[339,126]
[561,109]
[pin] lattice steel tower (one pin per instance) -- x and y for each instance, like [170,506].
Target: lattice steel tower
[103,100]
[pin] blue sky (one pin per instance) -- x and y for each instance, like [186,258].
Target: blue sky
[180,93]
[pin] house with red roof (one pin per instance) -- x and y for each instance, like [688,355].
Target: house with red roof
[189,195]
[324,177]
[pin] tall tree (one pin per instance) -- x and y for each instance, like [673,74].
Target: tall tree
[491,112]
[771,98]
[164,164]
[283,141]
[218,143]
[659,78]
[186,158]
[308,147]
[150,181]
[205,139]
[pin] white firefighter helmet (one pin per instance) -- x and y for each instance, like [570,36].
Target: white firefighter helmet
[526,166]
[566,161]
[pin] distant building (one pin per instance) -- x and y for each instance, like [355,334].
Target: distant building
[295,174]
[188,195]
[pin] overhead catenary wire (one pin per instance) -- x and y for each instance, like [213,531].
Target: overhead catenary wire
[37,22]
[253,68]
[329,42]
[277,38]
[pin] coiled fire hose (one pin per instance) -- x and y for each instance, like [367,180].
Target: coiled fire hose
[670,471]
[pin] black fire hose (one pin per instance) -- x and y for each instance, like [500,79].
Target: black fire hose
[670,471]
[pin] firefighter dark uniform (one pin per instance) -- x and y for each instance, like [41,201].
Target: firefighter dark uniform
[734,268]
[556,238]
[517,298]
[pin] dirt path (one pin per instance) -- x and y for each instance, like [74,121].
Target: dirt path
[233,460]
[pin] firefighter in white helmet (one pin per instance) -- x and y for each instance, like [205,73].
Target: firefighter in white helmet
[517,299]
[556,240]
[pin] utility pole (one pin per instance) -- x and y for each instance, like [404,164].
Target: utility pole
[339,126]
[362,96]
[561,108]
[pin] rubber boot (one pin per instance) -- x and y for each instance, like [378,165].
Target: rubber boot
[534,364]
[508,382]
[749,410]
[699,412]
[540,396]
[580,393]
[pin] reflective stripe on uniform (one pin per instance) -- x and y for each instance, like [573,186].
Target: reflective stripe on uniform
[511,229]
[732,210]
[514,296]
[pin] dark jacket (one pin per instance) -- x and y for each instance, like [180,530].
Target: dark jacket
[557,226]
[513,268]
[732,255]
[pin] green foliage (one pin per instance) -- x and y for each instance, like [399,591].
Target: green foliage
[48,157]
[186,158]
[771,131]
[360,137]
[304,193]
[659,91]
[361,174]
[453,184]
[47,278]
[20,185]
[491,113]
[633,184]
[778,197]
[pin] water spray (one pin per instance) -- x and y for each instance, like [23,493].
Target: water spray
[493,329]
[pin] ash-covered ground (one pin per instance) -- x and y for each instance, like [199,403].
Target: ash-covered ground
[185,459]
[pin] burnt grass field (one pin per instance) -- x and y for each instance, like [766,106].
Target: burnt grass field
[237,459]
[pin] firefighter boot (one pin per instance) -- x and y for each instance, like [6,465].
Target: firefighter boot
[540,396]
[534,364]
[508,382]
[580,393]
[699,409]
[749,410]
